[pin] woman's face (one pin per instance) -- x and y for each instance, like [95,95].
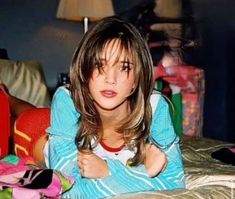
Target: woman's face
[112,80]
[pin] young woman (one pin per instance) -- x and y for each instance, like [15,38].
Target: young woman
[108,129]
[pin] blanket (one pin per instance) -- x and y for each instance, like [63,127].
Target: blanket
[25,178]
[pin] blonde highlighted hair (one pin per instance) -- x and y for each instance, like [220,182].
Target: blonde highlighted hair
[135,127]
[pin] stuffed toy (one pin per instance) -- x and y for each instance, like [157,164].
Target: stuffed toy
[29,131]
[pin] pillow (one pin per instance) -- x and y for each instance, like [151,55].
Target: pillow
[25,80]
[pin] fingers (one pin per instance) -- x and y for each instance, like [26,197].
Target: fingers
[82,172]
[81,167]
[83,160]
[82,157]
[80,161]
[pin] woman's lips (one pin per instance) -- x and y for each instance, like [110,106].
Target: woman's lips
[108,93]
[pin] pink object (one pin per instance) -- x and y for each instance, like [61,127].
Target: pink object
[7,168]
[232,149]
[13,176]
[190,79]
[19,193]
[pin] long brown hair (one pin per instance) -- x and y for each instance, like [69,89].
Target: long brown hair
[135,127]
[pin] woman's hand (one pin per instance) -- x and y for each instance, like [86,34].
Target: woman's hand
[155,160]
[91,166]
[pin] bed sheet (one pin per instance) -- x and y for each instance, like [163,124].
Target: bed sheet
[206,178]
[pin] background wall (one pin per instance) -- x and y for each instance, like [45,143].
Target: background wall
[216,26]
[29,30]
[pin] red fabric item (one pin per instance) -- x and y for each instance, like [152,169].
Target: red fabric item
[111,149]
[4,123]
[180,75]
[29,126]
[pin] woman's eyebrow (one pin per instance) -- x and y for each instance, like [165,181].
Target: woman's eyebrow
[122,61]
[125,61]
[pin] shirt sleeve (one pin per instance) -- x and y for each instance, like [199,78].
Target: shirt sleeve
[62,132]
[161,130]
[162,134]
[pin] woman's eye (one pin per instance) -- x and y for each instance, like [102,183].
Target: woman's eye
[99,66]
[125,67]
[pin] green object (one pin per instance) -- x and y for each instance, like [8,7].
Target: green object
[10,158]
[177,113]
[66,184]
[6,193]
[175,104]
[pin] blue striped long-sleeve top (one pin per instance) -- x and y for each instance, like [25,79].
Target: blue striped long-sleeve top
[121,178]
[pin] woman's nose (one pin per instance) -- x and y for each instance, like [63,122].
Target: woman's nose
[110,76]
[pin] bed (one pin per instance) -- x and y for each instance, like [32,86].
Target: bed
[206,178]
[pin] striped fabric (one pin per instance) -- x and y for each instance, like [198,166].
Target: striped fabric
[121,179]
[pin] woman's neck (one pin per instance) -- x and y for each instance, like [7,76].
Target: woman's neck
[112,139]
[111,120]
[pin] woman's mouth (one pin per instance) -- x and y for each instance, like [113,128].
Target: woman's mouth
[108,93]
